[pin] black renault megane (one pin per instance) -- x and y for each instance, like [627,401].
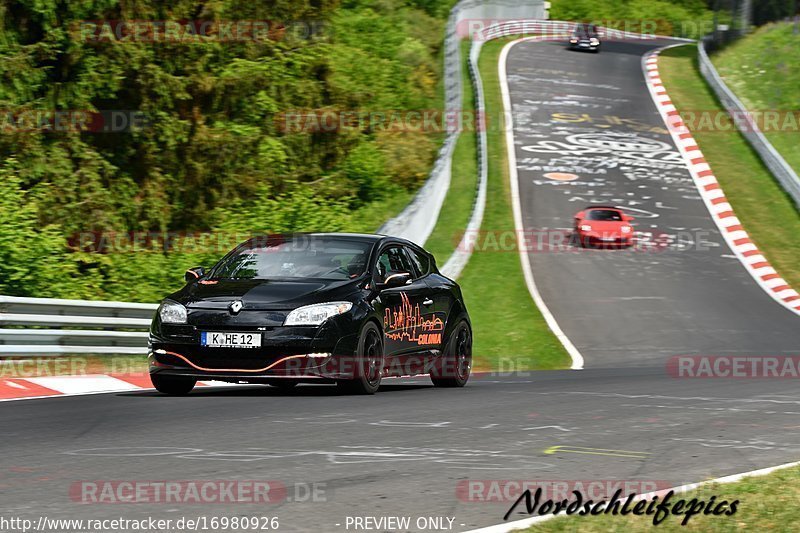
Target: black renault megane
[322,307]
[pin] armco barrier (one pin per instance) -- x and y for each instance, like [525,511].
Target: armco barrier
[776,164]
[417,220]
[118,327]
[460,256]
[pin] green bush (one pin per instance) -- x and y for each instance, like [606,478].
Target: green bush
[680,18]
[213,156]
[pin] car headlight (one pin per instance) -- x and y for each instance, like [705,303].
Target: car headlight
[594,42]
[586,227]
[172,313]
[626,229]
[573,40]
[314,315]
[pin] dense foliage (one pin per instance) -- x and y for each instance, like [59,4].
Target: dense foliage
[681,18]
[211,154]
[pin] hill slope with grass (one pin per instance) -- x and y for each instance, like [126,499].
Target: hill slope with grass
[762,69]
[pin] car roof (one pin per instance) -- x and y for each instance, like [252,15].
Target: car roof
[371,238]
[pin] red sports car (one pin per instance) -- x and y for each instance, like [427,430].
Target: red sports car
[603,226]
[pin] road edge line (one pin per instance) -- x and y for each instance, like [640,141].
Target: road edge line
[574,353]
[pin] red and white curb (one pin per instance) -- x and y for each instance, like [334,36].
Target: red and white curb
[55,386]
[711,192]
[62,386]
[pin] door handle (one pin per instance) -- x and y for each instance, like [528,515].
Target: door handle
[427,301]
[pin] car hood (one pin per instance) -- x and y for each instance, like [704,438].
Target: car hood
[262,294]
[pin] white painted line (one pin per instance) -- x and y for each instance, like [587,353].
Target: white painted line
[577,358]
[83,384]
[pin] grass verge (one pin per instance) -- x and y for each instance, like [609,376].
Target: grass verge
[457,207]
[766,211]
[766,503]
[762,70]
[509,331]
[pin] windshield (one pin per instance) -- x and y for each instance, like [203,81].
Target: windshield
[301,257]
[603,214]
[585,32]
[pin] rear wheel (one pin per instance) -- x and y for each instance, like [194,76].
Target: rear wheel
[369,363]
[173,385]
[455,365]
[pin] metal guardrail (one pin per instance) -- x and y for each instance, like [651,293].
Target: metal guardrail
[460,256]
[40,316]
[773,160]
[417,221]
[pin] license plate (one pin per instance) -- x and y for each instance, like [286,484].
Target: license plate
[227,339]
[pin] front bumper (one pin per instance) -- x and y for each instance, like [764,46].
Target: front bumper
[606,239]
[299,353]
[584,45]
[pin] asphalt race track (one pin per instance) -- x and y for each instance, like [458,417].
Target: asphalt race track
[404,451]
[680,290]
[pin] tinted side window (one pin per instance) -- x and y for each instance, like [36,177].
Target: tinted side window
[421,261]
[393,259]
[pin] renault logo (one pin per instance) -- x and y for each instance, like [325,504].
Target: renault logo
[235,307]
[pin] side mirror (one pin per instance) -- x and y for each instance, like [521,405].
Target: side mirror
[193,274]
[394,279]
[581,214]
[627,218]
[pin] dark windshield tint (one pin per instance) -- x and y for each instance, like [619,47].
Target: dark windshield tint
[603,214]
[297,257]
[585,31]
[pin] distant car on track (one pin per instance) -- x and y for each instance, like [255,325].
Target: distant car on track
[603,226]
[585,37]
[323,307]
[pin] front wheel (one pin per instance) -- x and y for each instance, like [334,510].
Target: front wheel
[455,364]
[173,385]
[368,363]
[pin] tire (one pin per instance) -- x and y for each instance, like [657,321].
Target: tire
[455,364]
[173,385]
[369,363]
[283,384]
